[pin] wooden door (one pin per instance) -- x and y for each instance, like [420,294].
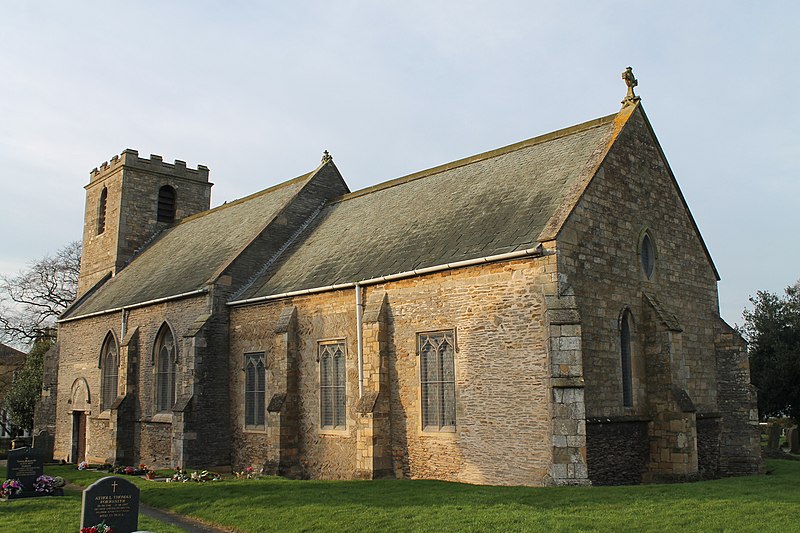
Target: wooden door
[78,436]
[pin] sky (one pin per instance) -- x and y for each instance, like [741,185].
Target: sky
[257,90]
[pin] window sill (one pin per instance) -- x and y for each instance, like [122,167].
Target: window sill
[164,418]
[444,433]
[261,430]
[334,432]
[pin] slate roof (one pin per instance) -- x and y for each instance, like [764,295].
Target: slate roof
[488,204]
[188,255]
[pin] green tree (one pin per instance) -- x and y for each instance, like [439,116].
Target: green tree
[20,400]
[772,330]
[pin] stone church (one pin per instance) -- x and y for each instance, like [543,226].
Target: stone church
[545,313]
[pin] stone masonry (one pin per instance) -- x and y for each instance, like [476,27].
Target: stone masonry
[675,313]
[133,184]
[496,310]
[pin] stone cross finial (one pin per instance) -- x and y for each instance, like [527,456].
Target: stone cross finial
[631,82]
[326,156]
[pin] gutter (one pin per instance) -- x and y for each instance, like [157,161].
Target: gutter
[537,251]
[134,306]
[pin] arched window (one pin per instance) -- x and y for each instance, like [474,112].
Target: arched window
[109,366]
[647,253]
[438,380]
[333,400]
[254,389]
[166,356]
[166,204]
[627,360]
[101,211]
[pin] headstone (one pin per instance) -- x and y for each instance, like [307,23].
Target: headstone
[113,500]
[793,438]
[773,436]
[25,465]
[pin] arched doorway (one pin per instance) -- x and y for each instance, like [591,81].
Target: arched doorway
[80,403]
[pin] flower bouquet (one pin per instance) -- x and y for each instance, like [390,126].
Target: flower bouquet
[102,527]
[205,475]
[10,487]
[44,484]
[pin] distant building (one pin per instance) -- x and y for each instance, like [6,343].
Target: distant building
[11,360]
[543,313]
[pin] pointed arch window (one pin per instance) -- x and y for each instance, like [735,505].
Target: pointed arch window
[626,358]
[647,252]
[255,372]
[166,204]
[438,381]
[333,400]
[101,211]
[166,356]
[109,366]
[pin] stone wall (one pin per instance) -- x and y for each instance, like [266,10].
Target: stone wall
[674,312]
[708,440]
[503,409]
[617,452]
[599,256]
[81,341]
[740,440]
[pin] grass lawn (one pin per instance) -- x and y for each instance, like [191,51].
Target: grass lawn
[61,515]
[763,503]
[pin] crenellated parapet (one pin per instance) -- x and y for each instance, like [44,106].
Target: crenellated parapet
[155,164]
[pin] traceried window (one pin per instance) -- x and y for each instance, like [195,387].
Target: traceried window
[333,401]
[101,211]
[166,204]
[437,380]
[648,255]
[255,374]
[166,355]
[625,353]
[109,365]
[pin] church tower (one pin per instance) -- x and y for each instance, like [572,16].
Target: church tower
[128,201]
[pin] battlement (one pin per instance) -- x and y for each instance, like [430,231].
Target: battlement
[130,159]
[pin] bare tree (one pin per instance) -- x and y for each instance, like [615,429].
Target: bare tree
[31,300]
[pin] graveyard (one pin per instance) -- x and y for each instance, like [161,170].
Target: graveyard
[756,503]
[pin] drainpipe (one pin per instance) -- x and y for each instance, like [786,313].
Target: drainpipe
[360,341]
[122,327]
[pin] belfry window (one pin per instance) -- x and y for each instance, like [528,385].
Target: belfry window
[109,365]
[626,359]
[166,362]
[166,204]
[254,389]
[437,380]
[101,211]
[333,399]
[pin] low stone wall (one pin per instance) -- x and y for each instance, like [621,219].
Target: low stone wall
[616,451]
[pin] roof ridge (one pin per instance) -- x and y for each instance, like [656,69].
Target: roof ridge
[551,136]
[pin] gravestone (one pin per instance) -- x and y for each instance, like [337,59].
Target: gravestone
[793,438]
[773,436]
[25,465]
[112,500]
